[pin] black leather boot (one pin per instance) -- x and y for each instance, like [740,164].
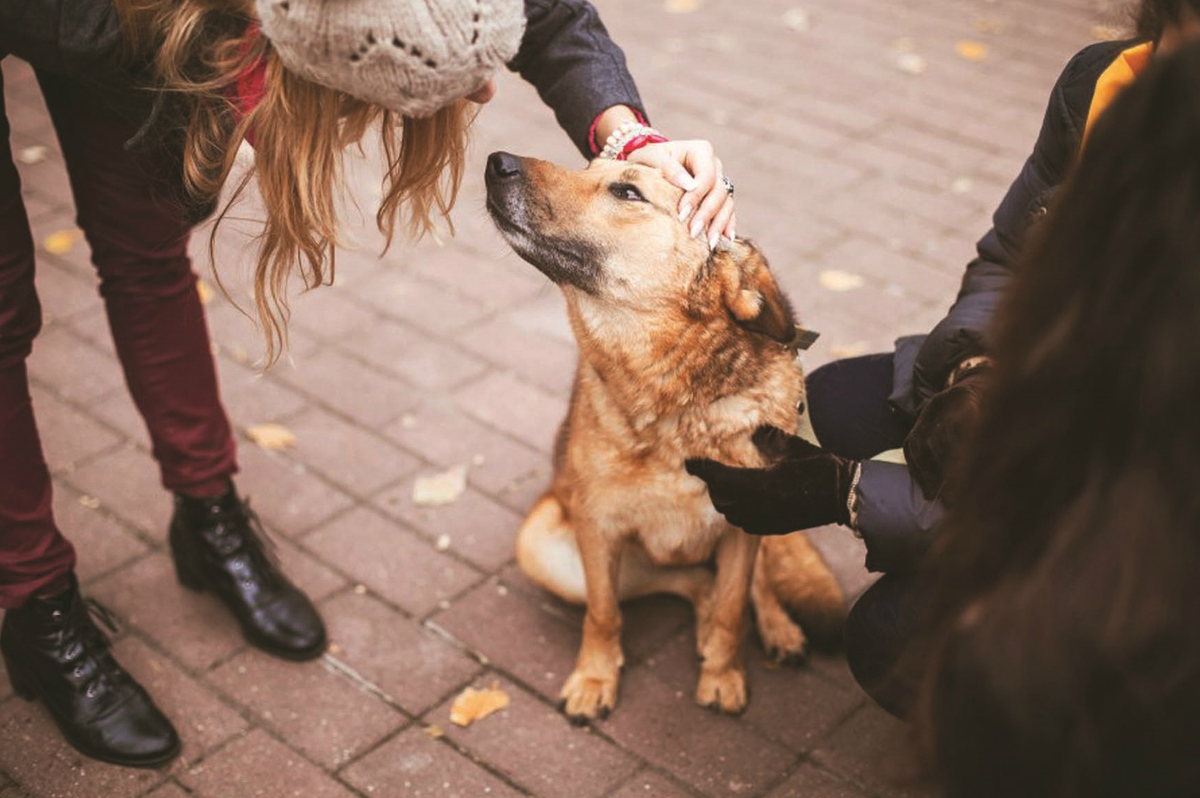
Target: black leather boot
[54,651]
[218,546]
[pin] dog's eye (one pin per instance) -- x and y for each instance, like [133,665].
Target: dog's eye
[626,191]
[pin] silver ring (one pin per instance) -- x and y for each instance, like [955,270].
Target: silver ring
[728,184]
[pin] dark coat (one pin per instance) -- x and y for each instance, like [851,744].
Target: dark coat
[896,522]
[566,54]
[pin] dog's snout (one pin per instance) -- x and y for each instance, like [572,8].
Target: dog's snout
[503,166]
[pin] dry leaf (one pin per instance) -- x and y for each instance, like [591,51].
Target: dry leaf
[682,6]
[443,543]
[797,19]
[836,280]
[271,436]
[32,155]
[971,51]
[1105,33]
[90,502]
[440,489]
[434,732]
[205,291]
[911,63]
[472,705]
[63,241]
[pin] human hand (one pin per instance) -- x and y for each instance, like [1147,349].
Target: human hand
[804,487]
[934,445]
[694,167]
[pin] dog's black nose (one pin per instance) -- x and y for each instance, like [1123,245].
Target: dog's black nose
[503,166]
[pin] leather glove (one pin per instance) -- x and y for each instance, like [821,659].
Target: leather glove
[804,487]
[934,446]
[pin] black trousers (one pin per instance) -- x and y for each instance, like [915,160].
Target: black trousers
[847,402]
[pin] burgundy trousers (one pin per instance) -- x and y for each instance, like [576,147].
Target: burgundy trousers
[138,243]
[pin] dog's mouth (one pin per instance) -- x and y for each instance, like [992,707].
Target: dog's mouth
[564,260]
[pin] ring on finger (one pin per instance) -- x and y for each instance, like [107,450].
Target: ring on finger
[728,184]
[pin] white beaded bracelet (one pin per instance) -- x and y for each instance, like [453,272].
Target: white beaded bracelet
[614,145]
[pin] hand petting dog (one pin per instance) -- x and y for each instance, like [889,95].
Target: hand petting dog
[804,487]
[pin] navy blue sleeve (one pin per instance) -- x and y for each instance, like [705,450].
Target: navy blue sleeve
[575,66]
[894,519]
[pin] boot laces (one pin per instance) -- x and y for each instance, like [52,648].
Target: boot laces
[84,640]
[238,528]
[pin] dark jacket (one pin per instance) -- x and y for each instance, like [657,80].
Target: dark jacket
[566,54]
[894,519]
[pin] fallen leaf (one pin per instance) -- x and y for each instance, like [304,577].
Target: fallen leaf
[1106,33]
[911,63]
[32,155]
[440,489]
[333,648]
[434,732]
[63,241]
[443,543]
[797,19]
[682,6]
[837,280]
[205,291]
[90,502]
[971,51]
[472,705]
[271,436]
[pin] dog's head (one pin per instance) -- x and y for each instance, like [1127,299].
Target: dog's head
[610,237]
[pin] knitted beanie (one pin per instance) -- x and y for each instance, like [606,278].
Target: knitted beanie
[412,56]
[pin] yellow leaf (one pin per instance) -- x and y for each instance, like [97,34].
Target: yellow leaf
[271,436]
[971,51]
[836,280]
[682,6]
[63,241]
[440,489]
[472,705]
[434,732]
[205,291]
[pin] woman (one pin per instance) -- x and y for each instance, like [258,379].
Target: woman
[1062,654]
[151,99]
[925,396]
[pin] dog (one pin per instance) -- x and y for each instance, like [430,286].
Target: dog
[683,353]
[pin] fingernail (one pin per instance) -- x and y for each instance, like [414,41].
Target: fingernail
[688,183]
[732,234]
[697,228]
[685,210]
[713,239]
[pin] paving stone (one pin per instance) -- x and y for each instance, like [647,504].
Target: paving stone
[55,363]
[415,765]
[872,749]
[477,528]
[391,561]
[311,706]
[169,790]
[101,542]
[252,396]
[413,666]
[494,281]
[423,304]
[447,436]
[649,784]
[809,782]
[201,718]
[546,362]
[417,358]
[506,403]
[70,292]
[238,336]
[127,483]
[68,436]
[537,747]
[713,754]
[347,455]
[346,386]
[289,497]
[330,313]
[257,766]
[37,757]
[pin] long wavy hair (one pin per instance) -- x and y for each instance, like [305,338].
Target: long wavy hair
[195,50]
[1152,16]
[1062,658]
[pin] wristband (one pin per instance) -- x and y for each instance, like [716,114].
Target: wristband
[628,137]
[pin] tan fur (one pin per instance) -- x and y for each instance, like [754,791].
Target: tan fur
[681,354]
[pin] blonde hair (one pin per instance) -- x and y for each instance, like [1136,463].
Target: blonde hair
[196,50]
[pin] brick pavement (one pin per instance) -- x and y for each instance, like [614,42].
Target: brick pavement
[434,356]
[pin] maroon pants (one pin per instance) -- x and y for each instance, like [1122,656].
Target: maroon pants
[139,247]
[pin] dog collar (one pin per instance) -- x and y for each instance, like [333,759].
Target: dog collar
[802,339]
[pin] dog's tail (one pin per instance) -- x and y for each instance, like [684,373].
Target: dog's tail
[804,583]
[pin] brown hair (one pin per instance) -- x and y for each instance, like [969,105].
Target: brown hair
[1062,658]
[195,50]
[1153,15]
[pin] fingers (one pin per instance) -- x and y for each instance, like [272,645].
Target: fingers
[713,202]
[721,224]
[775,444]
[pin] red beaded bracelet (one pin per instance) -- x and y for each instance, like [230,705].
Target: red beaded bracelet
[637,142]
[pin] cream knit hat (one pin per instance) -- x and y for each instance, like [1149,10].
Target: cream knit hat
[412,56]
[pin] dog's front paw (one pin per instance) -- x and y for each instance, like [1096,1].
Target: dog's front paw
[784,642]
[723,690]
[587,696]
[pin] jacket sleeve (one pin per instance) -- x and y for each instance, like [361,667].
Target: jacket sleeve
[576,68]
[964,331]
[894,519]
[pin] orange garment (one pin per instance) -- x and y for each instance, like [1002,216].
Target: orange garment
[1120,73]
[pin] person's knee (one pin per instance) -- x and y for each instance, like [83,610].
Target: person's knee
[877,636]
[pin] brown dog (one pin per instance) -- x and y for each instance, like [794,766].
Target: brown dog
[682,353]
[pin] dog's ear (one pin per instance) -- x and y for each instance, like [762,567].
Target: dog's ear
[751,294]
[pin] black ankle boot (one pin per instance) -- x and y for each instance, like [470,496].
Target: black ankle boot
[53,651]
[218,546]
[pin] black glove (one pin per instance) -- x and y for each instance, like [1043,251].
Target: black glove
[935,443]
[805,486]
